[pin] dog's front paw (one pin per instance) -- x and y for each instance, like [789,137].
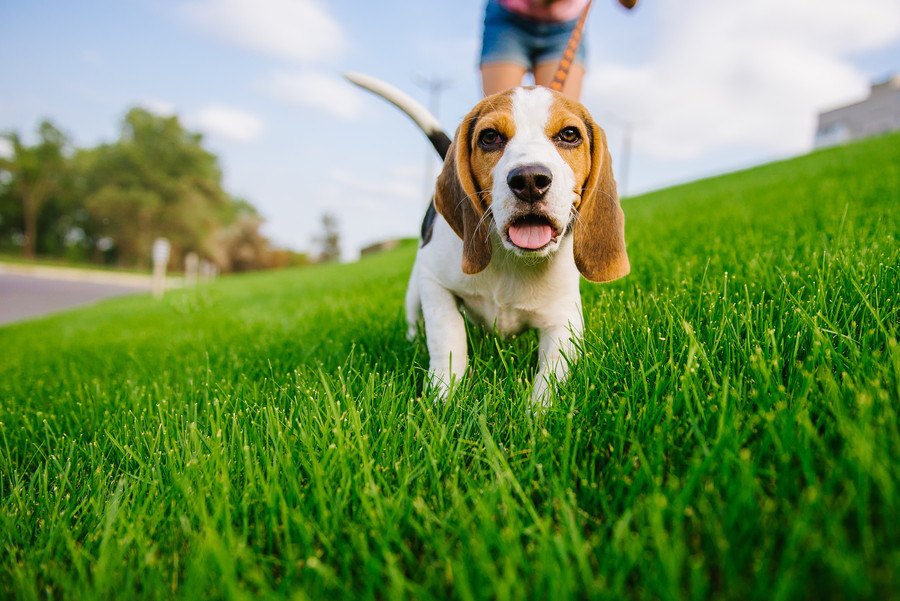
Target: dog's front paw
[541,393]
[442,382]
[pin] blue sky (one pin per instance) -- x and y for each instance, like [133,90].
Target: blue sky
[708,86]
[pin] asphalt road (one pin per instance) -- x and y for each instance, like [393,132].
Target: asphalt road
[24,296]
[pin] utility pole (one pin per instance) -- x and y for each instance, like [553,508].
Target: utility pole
[434,86]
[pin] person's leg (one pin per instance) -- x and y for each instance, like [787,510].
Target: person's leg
[499,77]
[505,53]
[543,76]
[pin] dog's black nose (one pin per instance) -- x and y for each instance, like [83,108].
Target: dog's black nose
[529,182]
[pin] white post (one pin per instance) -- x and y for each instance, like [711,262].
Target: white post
[160,255]
[191,264]
[205,271]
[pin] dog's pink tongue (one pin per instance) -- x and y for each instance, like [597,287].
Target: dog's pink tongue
[530,235]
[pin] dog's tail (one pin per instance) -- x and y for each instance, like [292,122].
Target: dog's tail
[427,122]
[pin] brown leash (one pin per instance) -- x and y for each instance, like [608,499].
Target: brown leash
[568,57]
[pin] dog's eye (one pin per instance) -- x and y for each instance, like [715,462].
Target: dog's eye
[570,136]
[490,139]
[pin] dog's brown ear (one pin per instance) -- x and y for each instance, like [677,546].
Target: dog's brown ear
[457,200]
[600,228]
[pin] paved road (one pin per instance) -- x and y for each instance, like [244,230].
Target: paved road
[26,296]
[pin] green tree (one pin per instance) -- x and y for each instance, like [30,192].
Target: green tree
[32,175]
[155,180]
[242,246]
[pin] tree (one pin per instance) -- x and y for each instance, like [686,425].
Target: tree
[34,174]
[156,180]
[330,240]
[111,201]
[242,245]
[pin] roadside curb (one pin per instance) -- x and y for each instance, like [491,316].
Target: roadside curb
[130,280]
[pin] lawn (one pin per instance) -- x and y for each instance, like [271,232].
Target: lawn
[730,432]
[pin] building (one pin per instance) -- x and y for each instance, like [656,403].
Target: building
[877,114]
[378,247]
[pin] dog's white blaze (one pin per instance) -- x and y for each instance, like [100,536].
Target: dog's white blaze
[531,111]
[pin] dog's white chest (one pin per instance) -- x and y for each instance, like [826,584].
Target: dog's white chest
[510,299]
[505,318]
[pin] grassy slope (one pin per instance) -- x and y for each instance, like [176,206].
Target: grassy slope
[730,432]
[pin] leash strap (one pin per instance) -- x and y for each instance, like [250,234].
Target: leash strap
[568,57]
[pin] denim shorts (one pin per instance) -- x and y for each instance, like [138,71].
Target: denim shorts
[512,38]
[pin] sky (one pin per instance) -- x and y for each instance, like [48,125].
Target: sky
[703,87]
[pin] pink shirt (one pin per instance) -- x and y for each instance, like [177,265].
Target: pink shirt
[546,10]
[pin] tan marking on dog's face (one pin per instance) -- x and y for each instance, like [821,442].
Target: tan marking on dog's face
[493,114]
[567,117]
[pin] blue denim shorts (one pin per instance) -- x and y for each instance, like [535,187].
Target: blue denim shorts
[512,38]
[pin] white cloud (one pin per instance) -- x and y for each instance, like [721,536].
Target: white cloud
[163,108]
[228,122]
[296,30]
[744,75]
[302,32]
[318,90]
[399,185]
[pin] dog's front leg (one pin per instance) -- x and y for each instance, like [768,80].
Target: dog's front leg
[558,343]
[445,331]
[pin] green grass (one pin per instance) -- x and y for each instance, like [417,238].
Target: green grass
[731,431]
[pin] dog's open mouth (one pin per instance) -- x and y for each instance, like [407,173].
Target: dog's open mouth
[531,232]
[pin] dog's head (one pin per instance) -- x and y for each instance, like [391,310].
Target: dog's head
[529,167]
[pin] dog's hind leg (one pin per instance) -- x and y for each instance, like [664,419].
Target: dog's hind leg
[413,305]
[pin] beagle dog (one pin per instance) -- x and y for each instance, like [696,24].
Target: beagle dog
[525,201]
